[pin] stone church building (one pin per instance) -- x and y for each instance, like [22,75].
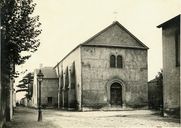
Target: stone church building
[109,69]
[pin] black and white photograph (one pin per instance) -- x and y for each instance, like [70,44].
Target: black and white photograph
[90,63]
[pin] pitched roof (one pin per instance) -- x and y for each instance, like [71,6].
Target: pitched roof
[86,43]
[48,72]
[174,20]
[142,45]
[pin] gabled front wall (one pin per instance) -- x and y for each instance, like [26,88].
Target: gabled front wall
[171,72]
[97,74]
[49,88]
[115,36]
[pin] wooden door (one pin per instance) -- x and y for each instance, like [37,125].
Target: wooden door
[116,94]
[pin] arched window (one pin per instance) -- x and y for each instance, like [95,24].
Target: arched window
[112,61]
[119,61]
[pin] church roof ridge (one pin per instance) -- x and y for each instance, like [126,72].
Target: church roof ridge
[91,38]
[114,23]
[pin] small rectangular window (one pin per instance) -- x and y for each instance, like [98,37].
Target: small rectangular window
[50,100]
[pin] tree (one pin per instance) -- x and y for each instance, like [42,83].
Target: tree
[159,78]
[26,84]
[19,30]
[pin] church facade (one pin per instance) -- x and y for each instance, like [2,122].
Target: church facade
[109,69]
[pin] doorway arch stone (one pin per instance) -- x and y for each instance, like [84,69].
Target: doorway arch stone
[108,90]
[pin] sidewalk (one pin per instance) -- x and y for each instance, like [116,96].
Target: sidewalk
[27,118]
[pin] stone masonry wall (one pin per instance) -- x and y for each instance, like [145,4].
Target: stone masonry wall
[49,88]
[171,72]
[74,57]
[96,73]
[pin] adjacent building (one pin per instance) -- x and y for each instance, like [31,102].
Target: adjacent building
[171,65]
[155,94]
[49,88]
[109,69]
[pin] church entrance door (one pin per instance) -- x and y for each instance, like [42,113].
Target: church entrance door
[116,94]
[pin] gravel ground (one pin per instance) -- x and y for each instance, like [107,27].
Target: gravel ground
[27,118]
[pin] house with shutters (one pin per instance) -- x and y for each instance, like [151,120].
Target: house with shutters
[171,66]
[108,70]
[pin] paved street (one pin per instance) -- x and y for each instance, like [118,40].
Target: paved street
[27,118]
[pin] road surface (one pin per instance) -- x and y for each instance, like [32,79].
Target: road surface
[27,118]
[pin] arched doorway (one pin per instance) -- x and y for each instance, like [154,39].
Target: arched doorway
[116,94]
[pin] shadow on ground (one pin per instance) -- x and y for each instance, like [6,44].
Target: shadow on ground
[27,119]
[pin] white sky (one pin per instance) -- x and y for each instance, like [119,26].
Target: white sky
[67,23]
